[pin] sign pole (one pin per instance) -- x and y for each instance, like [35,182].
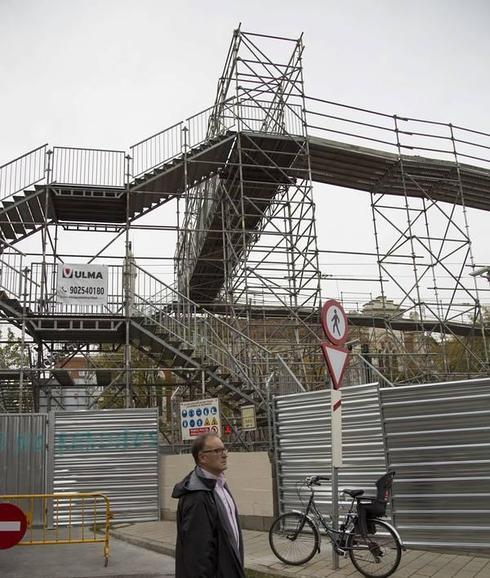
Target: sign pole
[335,512]
[336,453]
[336,423]
[335,326]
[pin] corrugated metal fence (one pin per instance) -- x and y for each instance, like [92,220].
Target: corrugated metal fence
[111,451]
[23,442]
[436,437]
[438,441]
[303,442]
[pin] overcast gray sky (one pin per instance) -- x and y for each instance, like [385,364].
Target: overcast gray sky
[107,73]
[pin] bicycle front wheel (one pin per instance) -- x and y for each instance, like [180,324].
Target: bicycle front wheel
[294,538]
[378,553]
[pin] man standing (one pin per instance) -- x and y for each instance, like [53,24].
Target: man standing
[209,539]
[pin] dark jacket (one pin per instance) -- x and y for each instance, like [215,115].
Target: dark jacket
[205,545]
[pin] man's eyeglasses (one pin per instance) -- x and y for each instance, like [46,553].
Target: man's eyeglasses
[217,451]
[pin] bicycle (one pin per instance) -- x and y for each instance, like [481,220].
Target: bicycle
[373,545]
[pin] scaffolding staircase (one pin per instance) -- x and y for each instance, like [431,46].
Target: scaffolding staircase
[200,348]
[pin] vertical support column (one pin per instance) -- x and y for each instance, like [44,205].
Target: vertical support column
[418,303]
[55,257]
[478,310]
[44,233]
[23,340]
[127,291]
[439,305]
[186,246]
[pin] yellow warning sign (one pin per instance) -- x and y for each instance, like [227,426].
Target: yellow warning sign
[215,421]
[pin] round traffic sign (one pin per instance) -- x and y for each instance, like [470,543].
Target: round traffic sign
[13,525]
[334,322]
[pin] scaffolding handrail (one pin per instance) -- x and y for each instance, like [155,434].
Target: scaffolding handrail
[405,133]
[143,152]
[88,167]
[23,172]
[200,127]
[200,333]
[199,308]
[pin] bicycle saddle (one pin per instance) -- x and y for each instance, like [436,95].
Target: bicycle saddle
[354,493]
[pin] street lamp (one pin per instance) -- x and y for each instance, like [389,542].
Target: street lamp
[482,272]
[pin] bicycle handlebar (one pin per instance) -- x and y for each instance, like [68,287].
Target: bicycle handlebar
[315,480]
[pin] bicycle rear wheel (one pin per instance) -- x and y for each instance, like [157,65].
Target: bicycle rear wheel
[378,553]
[294,538]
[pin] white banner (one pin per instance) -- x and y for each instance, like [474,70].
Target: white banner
[199,417]
[82,284]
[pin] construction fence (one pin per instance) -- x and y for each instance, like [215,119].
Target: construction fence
[435,436]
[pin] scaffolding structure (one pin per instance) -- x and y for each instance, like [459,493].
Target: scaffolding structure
[235,312]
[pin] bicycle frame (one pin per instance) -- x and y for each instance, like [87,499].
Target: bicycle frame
[338,538]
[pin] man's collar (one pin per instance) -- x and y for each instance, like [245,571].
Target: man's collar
[209,475]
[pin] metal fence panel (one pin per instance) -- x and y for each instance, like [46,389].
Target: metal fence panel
[114,452]
[22,453]
[438,441]
[23,439]
[303,442]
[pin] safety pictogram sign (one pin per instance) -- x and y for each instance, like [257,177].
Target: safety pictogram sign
[13,525]
[199,417]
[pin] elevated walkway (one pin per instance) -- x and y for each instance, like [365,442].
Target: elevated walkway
[370,170]
[77,197]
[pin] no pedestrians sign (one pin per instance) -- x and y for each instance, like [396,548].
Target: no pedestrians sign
[13,525]
[336,326]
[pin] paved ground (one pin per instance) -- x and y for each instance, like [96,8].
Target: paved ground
[260,562]
[130,558]
[84,561]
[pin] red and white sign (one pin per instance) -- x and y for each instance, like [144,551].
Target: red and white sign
[334,322]
[336,427]
[337,360]
[13,525]
[335,325]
